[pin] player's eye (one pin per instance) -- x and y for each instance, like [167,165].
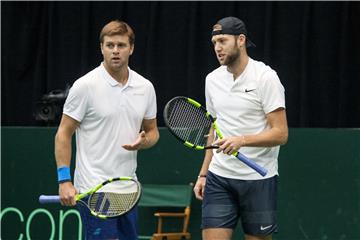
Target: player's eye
[121,45]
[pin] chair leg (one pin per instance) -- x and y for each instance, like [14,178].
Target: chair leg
[159,229]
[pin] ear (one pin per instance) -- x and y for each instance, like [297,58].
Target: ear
[101,48]
[132,47]
[241,40]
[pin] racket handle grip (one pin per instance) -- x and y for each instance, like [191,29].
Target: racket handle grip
[49,199]
[262,171]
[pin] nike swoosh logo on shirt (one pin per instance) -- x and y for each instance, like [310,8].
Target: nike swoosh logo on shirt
[249,90]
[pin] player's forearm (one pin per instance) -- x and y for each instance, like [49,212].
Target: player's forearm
[276,135]
[208,153]
[269,138]
[62,150]
[207,159]
[152,137]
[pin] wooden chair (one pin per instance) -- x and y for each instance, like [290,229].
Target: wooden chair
[177,197]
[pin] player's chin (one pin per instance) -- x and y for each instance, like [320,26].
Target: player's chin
[222,62]
[115,65]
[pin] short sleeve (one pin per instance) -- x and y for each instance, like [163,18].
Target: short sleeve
[76,102]
[209,104]
[150,112]
[271,92]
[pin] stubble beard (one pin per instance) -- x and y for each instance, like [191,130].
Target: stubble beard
[233,57]
[115,67]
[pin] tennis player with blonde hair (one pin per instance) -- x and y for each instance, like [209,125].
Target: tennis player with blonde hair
[112,110]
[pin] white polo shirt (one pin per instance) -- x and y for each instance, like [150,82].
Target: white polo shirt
[110,116]
[240,107]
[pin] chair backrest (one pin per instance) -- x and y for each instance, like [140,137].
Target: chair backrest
[161,196]
[166,195]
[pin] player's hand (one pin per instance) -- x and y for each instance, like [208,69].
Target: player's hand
[229,145]
[138,144]
[67,194]
[199,188]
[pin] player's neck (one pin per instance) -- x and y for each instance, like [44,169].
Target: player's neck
[120,75]
[238,67]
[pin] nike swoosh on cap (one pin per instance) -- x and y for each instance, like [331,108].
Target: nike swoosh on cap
[264,228]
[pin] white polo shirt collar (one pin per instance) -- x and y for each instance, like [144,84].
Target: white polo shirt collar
[112,81]
[240,79]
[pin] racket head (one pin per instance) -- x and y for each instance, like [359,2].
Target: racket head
[112,198]
[188,121]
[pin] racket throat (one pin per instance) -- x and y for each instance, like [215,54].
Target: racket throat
[211,147]
[190,145]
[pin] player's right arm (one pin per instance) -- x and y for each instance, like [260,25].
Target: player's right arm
[63,140]
[201,181]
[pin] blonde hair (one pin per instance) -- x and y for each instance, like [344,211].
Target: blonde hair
[117,27]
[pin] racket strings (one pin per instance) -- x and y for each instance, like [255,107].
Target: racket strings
[203,126]
[112,204]
[188,122]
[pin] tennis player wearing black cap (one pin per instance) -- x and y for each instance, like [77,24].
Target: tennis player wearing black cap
[248,100]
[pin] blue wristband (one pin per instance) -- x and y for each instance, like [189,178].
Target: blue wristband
[63,174]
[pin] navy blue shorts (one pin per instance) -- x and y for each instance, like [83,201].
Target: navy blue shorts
[253,202]
[122,228]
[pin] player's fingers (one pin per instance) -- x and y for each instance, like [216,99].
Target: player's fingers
[73,201]
[219,142]
[198,189]
[131,147]
[198,193]
[223,147]
[135,145]
[228,150]
[231,149]
[62,202]
[66,201]
[142,134]
[220,148]
[202,192]
[127,147]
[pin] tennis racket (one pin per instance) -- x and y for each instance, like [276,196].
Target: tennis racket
[112,198]
[190,123]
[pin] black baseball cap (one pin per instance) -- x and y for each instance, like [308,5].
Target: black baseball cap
[232,26]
